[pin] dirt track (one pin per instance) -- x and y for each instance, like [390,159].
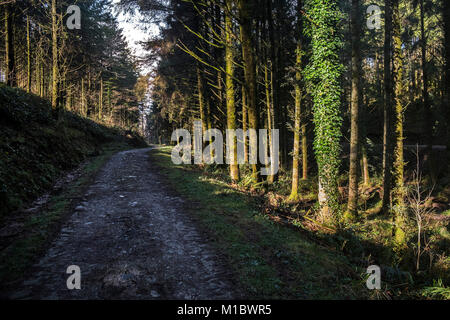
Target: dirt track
[132,239]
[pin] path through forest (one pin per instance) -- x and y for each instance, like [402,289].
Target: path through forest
[132,239]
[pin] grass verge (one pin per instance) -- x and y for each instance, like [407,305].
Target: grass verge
[270,261]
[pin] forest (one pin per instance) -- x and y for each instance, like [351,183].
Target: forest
[358,92]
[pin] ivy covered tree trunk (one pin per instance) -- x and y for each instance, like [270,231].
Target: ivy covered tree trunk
[244,7]
[325,72]
[10,72]
[353,176]
[387,108]
[229,90]
[298,109]
[398,191]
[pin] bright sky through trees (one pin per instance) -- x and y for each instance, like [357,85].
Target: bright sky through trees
[134,33]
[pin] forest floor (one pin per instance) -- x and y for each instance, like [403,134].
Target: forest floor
[132,239]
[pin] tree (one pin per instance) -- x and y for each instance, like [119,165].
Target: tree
[353,175]
[324,71]
[398,191]
[245,20]
[229,89]
[446,19]
[387,107]
[298,121]
[55,79]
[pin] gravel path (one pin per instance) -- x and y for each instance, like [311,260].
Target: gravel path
[131,240]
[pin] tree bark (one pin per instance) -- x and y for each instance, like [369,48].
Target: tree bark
[275,85]
[354,121]
[446,19]
[54,56]
[244,7]
[387,108]
[231,108]
[245,123]
[398,191]
[298,108]
[28,55]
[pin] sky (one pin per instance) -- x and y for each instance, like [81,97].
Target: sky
[133,33]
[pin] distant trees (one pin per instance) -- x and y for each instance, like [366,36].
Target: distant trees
[74,69]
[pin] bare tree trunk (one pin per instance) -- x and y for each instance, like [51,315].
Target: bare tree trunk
[231,108]
[275,86]
[54,56]
[244,7]
[354,134]
[100,100]
[446,19]
[268,85]
[201,97]
[28,55]
[298,109]
[245,123]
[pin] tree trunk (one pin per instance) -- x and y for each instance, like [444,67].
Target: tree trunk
[28,55]
[365,165]
[245,123]
[250,79]
[326,70]
[201,97]
[398,192]
[354,121]
[54,56]
[446,19]
[231,108]
[83,99]
[275,86]
[268,86]
[387,108]
[298,108]
[100,100]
